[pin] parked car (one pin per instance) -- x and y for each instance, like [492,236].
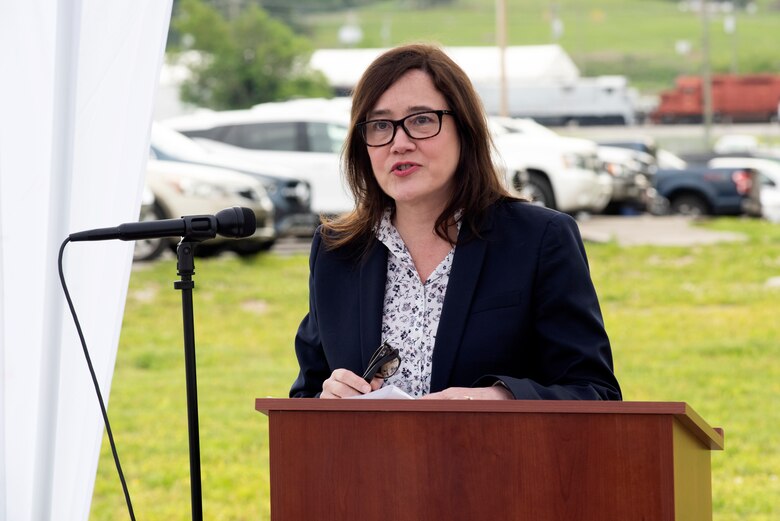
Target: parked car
[291,196]
[769,179]
[306,135]
[558,172]
[632,174]
[701,190]
[186,189]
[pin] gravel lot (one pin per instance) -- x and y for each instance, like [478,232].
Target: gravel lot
[649,229]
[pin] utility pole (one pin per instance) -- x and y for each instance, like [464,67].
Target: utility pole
[730,28]
[503,106]
[706,75]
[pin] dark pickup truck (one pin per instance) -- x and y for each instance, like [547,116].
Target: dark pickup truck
[699,190]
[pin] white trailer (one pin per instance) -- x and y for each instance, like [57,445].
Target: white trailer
[601,100]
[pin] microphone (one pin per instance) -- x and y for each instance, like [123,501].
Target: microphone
[233,222]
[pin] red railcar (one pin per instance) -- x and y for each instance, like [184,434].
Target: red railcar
[738,98]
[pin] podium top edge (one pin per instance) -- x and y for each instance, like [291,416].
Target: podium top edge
[711,437]
[266,405]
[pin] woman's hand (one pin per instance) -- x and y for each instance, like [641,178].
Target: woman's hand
[344,383]
[496,392]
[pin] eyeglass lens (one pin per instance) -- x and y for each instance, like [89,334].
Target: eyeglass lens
[422,125]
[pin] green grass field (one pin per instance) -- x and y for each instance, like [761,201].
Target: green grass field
[635,38]
[687,324]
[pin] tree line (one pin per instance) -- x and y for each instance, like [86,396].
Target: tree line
[243,59]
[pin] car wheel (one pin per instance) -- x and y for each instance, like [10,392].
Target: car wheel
[538,190]
[691,205]
[150,249]
[658,205]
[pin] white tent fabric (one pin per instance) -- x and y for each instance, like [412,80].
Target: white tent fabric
[79,78]
[524,64]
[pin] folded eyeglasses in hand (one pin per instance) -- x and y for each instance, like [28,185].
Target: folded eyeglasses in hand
[384,363]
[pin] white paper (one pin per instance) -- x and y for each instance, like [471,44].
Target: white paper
[388,392]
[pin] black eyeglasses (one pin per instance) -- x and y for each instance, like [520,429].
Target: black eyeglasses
[420,125]
[384,363]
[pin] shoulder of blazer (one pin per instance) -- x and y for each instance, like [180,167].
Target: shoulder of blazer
[525,210]
[352,258]
[520,215]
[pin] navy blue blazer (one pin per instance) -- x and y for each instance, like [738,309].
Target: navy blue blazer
[520,307]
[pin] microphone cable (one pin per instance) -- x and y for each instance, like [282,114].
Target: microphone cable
[94,381]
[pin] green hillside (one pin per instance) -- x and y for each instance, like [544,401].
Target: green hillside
[637,38]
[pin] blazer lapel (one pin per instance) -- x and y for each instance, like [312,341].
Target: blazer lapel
[466,267]
[373,272]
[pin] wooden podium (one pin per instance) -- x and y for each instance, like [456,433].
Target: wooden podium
[488,460]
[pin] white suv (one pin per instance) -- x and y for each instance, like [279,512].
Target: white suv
[555,171]
[304,135]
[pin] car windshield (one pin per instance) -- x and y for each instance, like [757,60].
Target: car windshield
[337,134]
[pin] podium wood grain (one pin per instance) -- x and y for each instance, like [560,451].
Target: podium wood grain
[471,460]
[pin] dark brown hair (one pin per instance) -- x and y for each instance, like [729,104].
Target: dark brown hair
[478,181]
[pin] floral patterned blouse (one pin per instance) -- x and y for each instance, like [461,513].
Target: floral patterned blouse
[412,309]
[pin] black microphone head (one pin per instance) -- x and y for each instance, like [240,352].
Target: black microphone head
[236,222]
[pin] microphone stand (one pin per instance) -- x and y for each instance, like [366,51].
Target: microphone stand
[185,266]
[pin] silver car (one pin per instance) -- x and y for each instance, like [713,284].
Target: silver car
[180,189]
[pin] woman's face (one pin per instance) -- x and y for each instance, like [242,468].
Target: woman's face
[416,173]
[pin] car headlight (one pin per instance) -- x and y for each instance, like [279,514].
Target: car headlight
[572,160]
[301,191]
[613,169]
